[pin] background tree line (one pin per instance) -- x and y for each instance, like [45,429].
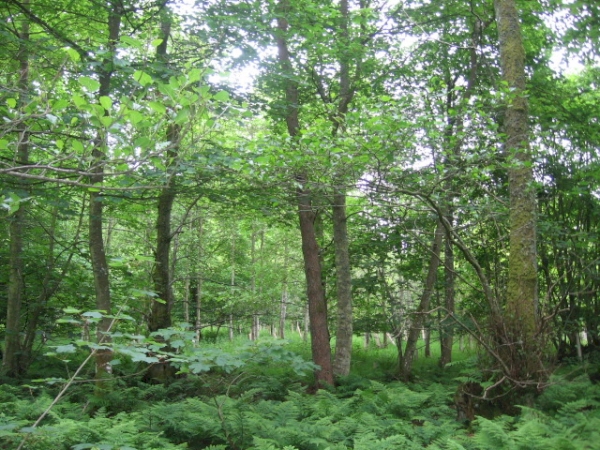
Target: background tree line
[441,169]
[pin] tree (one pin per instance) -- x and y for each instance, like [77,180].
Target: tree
[522,289]
[317,306]
[13,362]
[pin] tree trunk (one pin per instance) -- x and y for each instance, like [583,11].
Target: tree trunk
[521,296]
[160,315]
[343,346]
[343,349]
[419,315]
[12,361]
[96,213]
[199,281]
[446,331]
[317,306]
[284,292]
[282,312]
[186,300]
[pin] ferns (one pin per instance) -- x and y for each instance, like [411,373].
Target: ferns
[259,413]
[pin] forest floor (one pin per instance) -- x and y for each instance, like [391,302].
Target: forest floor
[267,406]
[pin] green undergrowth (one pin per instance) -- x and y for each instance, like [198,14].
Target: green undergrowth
[267,406]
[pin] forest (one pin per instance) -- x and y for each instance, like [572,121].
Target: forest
[299,225]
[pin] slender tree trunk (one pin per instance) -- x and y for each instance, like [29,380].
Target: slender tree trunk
[282,312]
[522,294]
[446,331]
[232,277]
[317,306]
[198,309]
[427,339]
[419,315]
[284,292]
[344,333]
[96,213]
[186,300]
[254,329]
[160,314]
[199,281]
[12,362]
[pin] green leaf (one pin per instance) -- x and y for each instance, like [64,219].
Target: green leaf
[73,54]
[79,101]
[222,96]
[106,102]
[143,293]
[89,83]
[199,366]
[182,116]
[158,107]
[106,121]
[77,145]
[71,310]
[11,102]
[157,42]
[3,144]
[135,116]
[59,105]
[194,75]
[142,77]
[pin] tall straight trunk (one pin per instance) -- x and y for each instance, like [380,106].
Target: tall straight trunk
[160,314]
[12,362]
[284,292]
[344,332]
[198,309]
[317,305]
[420,314]
[96,212]
[254,328]
[521,295]
[186,300]
[447,334]
[283,312]
[232,275]
[199,281]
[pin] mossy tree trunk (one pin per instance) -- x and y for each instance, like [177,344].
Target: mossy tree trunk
[343,270]
[520,316]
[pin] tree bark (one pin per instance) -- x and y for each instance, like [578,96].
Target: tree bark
[521,296]
[160,314]
[12,361]
[317,306]
[96,217]
[344,332]
[284,292]
[446,331]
